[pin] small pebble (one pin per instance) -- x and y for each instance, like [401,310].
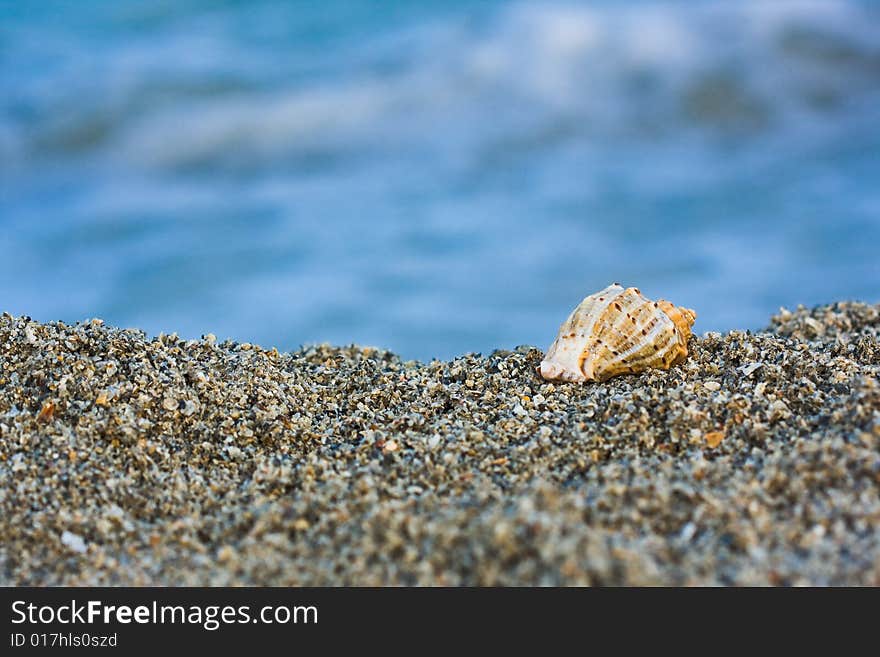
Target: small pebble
[73,541]
[714,438]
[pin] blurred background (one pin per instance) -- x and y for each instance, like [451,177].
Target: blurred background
[433,177]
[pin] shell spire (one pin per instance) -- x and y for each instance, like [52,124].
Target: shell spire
[618,331]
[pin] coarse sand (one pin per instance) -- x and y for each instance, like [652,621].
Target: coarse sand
[133,461]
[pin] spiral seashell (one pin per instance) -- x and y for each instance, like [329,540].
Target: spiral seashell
[618,331]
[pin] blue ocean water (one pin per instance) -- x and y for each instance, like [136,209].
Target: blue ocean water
[435,177]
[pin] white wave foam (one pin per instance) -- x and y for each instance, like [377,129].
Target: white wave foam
[533,74]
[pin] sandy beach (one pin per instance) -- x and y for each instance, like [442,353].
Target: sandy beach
[126,460]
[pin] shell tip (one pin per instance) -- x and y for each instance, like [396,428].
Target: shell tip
[549,370]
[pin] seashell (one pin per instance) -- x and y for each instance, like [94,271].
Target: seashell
[618,331]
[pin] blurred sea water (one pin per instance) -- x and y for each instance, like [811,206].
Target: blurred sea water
[435,177]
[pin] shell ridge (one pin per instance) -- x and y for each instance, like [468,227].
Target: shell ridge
[587,356]
[663,325]
[657,358]
[566,356]
[621,333]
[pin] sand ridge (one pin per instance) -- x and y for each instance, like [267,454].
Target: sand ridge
[129,460]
